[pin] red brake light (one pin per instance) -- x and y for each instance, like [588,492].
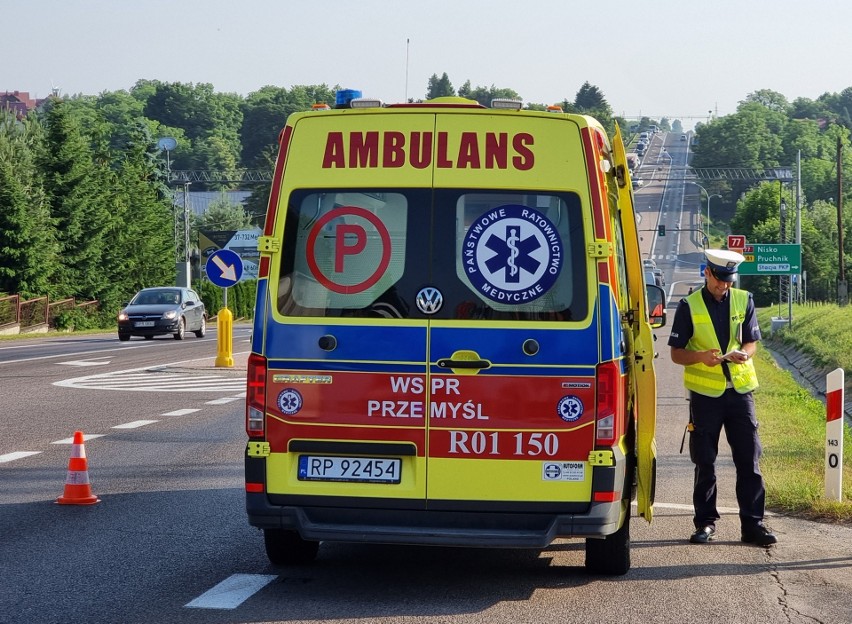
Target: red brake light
[256,396]
[609,403]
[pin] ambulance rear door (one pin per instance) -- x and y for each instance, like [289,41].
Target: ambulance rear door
[514,346]
[346,347]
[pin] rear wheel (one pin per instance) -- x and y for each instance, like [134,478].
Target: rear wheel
[124,337]
[149,337]
[610,555]
[202,329]
[181,332]
[288,547]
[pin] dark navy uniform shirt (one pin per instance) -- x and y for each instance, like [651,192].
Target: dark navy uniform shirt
[720,314]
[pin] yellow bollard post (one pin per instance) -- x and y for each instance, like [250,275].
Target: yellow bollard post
[224,338]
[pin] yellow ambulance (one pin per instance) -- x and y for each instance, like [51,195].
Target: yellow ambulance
[452,342]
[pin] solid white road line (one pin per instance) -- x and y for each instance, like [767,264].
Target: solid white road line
[232,592]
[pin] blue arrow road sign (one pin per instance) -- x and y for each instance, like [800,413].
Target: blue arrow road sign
[224,268]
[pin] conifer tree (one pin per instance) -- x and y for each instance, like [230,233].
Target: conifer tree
[27,236]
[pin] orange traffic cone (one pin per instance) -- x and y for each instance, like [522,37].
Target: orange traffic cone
[77,488]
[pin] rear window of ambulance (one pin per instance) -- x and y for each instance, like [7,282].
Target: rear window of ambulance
[491,255]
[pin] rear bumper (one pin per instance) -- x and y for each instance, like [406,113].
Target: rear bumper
[511,524]
[428,527]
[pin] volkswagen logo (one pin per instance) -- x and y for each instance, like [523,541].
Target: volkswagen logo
[429,300]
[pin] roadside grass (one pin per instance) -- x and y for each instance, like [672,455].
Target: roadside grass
[792,422]
[822,330]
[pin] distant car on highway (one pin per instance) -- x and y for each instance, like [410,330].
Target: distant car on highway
[658,273]
[648,263]
[161,311]
[683,137]
[652,278]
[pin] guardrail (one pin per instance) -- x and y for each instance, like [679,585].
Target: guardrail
[17,315]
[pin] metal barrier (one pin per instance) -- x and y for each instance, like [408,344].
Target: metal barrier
[10,311]
[40,312]
[33,313]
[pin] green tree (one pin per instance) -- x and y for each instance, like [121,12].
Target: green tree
[202,114]
[591,101]
[751,137]
[484,95]
[28,249]
[767,98]
[74,186]
[265,113]
[222,214]
[439,87]
[760,204]
[139,237]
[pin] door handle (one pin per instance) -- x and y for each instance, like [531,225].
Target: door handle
[450,363]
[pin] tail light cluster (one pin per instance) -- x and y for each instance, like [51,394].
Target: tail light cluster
[609,424]
[256,396]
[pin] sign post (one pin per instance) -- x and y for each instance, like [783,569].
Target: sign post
[224,268]
[834,435]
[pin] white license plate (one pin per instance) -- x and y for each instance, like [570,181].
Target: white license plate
[143,324]
[357,469]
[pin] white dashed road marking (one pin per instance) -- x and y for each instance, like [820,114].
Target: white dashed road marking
[222,401]
[135,424]
[182,412]
[232,592]
[92,362]
[16,455]
[86,438]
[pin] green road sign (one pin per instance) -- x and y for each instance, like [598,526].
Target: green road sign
[771,260]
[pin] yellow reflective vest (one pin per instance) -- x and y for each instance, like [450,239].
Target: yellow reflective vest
[710,380]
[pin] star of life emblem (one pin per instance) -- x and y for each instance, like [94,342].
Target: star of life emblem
[570,408]
[512,254]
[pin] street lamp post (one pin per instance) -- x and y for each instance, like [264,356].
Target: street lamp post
[709,197]
[783,280]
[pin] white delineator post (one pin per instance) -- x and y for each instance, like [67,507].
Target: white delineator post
[834,435]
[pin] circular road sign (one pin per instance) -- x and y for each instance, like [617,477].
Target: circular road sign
[224,268]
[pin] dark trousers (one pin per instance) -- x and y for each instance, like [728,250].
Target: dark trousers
[734,412]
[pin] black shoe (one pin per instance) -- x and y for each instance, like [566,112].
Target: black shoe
[703,535]
[759,535]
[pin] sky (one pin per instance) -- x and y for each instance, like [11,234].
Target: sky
[679,59]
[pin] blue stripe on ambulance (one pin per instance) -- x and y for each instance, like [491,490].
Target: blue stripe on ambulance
[609,318]
[507,345]
[260,316]
[354,343]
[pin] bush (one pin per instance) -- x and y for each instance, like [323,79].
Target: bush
[240,298]
[78,319]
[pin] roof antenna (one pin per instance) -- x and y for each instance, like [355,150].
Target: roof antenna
[407,41]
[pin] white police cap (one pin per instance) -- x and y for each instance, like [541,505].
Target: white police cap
[723,263]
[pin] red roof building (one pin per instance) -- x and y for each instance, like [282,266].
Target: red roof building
[19,102]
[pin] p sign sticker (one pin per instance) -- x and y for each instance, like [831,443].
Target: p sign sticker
[361,249]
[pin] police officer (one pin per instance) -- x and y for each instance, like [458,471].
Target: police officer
[714,337]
